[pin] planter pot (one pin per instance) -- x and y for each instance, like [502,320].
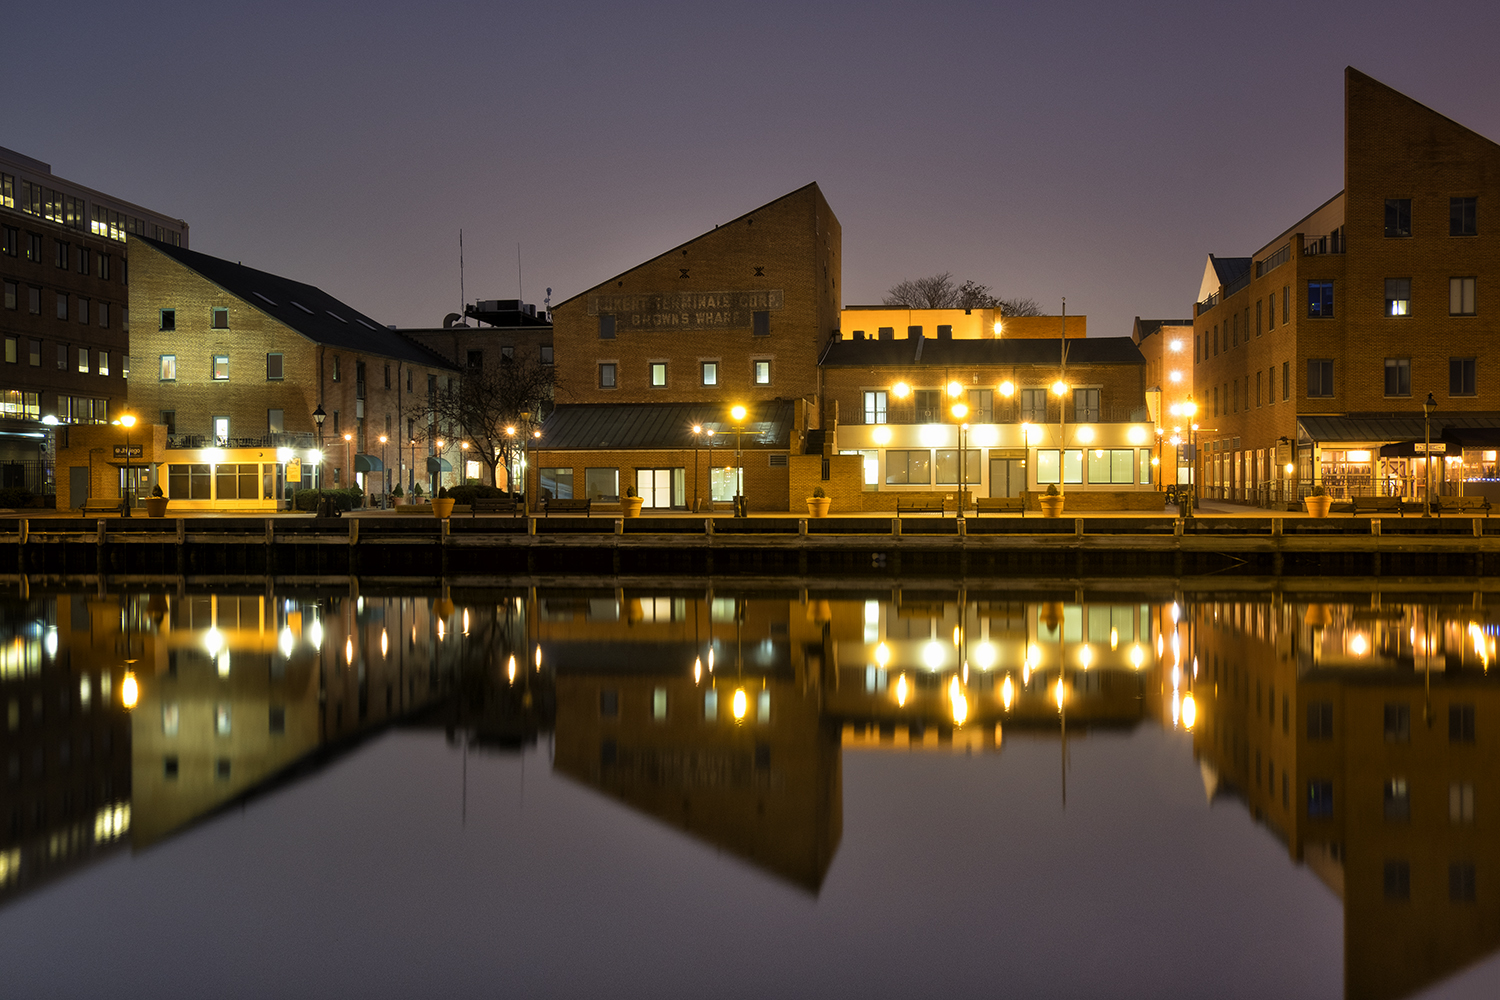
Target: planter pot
[1052,506]
[1318,506]
[818,506]
[156,506]
[632,505]
[442,507]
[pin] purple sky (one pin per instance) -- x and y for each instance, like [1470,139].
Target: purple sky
[1093,150]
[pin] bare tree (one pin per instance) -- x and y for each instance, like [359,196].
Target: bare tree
[939,292]
[487,400]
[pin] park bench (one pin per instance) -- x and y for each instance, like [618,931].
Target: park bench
[569,507]
[1377,505]
[919,505]
[102,505]
[1000,505]
[492,505]
[1460,505]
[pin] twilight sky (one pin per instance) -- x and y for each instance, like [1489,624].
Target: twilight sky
[1090,149]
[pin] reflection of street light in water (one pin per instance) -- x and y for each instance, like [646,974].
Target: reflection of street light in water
[960,702]
[739,704]
[901,691]
[1007,693]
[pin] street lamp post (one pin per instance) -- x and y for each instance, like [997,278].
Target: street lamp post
[413,484]
[385,474]
[738,413]
[433,482]
[318,417]
[1190,410]
[960,411]
[349,458]
[697,440]
[510,459]
[1427,408]
[708,432]
[536,450]
[127,421]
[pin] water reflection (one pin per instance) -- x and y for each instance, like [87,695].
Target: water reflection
[1358,732]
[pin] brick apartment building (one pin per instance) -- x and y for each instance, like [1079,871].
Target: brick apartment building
[1314,355]
[736,316]
[65,317]
[231,357]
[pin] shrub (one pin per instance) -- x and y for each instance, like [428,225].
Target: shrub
[15,496]
[630,491]
[818,493]
[416,489]
[442,493]
[1052,490]
[1317,491]
[469,492]
[305,500]
[397,493]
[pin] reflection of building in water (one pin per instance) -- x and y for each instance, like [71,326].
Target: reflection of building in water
[1364,736]
[65,793]
[141,713]
[704,715]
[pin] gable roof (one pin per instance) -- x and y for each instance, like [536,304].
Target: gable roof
[1147,327]
[663,425]
[926,352]
[813,186]
[305,308]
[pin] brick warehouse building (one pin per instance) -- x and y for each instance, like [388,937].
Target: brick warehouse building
[65,318]
[737,315]
[1314,355]
[228,356]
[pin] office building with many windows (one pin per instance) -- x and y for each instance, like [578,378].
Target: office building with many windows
[65,318]
[1314,355]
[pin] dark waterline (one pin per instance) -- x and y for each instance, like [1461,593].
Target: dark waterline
[548,835]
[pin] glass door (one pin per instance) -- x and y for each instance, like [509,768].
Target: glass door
[1007,477]
[655,487]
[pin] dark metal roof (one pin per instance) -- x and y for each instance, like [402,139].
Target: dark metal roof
[663,425]
[927,352]
[1146,327]
[307,309]
[1230,269]
[1393,427]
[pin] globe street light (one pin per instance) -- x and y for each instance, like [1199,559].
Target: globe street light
[1190,410]
[385,475]
[318,417]
[127,421]
[738,413]
[697,440]
[349,456]
[960,411]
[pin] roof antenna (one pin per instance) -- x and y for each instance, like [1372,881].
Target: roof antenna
[520,295]
[462,297]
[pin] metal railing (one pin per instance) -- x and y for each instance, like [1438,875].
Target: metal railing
[1273,261]
[1332,243]
[1006,413]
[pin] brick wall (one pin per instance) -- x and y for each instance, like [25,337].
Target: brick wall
[791,246]
[765,484]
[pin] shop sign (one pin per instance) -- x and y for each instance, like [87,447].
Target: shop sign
[294,470]
[1436,446]
[121,451]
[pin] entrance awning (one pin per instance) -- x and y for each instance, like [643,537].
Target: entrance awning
[435,464]
[368,463]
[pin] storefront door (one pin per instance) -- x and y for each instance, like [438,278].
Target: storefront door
[1007,477]
[655,487]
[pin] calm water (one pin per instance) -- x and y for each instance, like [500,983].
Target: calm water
[570,793]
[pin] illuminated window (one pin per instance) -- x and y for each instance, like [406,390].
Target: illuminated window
[607,375]
[659,704]
[658,374]
[947,466]
[103,368]
[710,373]
[221,719]
[83,360]
[221,367]
[10,349]
[710,705]
[763,706]
[1461,296]
[875,407]
[908,468]
[1397,797]
[762,372]
[1397,296]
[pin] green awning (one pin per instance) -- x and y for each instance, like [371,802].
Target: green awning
[435,464]
[368,463]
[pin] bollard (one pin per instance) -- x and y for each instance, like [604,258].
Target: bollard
[1375,526]
[1478,528]
[1276,526]
[1078,526]
[619,526]
[896,527]
[802,527]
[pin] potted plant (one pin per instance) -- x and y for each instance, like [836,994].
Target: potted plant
[631,503]
[397,493]
[1318,502]
[817,504]
[156,503]
[416,492]
[442,504]
[1052,502]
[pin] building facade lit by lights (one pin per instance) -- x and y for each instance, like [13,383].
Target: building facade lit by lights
[1167,346]
[1314,355]
[66,313]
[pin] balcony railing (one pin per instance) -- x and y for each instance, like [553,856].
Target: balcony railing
[300,439]
[1275,260]
[1006,413]
[1332,243]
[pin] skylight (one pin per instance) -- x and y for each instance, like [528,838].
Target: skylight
[363,323]
[265,298]
[336,316]
[302,307]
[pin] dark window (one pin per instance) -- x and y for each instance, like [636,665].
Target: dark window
[886,333]
[10,241]
[168,319]
[169,768]
[169,420]
[1320,720]
[1461,296]
[761,324]
[913,332]
[1397,376]
[609,704]
[1086,405]
[1319,377]
[1398,216]
[11,294]
[104,261]
[607,376]
[507,352]
[1461,217]
[1398,723]
[278,719]
[83,260]
[1461,881]
[337,369]
[945,332]
[222,768]
[64,254]
[189,482]
[1460,723]
[1319,799]
[1034,405]
[220,319]
[275,367]
[1320,299]
[387,376]
[1271,312]
[33,247]
[606,326]
[1397,296]
[1461,376]
[1397,799]
[1286,380]
[546,354]
[1286,303]
[476,359]
[1397,881]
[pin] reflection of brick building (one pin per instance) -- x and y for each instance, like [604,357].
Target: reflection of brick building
[1363,738]
[1320,347]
